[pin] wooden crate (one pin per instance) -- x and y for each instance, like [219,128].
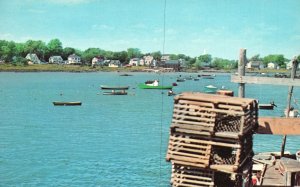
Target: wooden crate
[219,154]
[217,115]
[188,176]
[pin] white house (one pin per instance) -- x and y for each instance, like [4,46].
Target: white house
[56,60]
[114,64]
[272,65]
[255,65]
[97,61]
[134,62]
[148,60]
[165,57]
[33,58]
[289,65]
[74,59]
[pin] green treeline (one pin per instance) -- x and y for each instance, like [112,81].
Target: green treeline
[14,53]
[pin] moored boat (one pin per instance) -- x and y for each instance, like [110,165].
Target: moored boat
[114,92]
[267,106]
[153,85]
[64,103]
[106,87]
[210,89]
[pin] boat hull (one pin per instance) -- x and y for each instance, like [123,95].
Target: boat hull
[105,87]
[61,103]
[114,93]
[144,86]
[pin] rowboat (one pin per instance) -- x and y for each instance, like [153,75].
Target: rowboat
[266,106]
[113,92]
[210,89]
[106,87]
[64,103]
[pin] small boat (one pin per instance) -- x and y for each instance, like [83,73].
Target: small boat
[114,92]
[189,78]
[170,93]
[105,87]
[64,103]
[210,89]
[180,80]
[267,106]
[174,84]
[125,74]
[153,85]
[196,79]
[207,76]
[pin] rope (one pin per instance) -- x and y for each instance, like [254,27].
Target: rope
[162,99]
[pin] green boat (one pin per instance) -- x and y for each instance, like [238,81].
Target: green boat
[153,85]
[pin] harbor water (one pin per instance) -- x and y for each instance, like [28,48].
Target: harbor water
[109,140]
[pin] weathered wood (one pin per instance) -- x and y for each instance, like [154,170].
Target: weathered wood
[283,146]
[212,98]
[206,142]
[279,126]
[241,71]
[293,74]
[265,80]
[193,117]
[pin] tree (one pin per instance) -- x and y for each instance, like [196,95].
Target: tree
[38,47]
[134,53]
[7,50]
[255,58]
[89,54]
[205,58]
[191,62]
[156,55]
[54,47]
[67,52]
[220,63]
[279,59]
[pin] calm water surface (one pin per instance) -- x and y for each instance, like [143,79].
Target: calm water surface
[109,140]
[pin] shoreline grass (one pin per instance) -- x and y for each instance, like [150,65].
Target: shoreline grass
[85,68]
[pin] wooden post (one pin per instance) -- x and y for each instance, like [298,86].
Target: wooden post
[241,71]
[283,146]
[293,74]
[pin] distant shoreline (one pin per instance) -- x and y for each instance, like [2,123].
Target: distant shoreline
[87,69]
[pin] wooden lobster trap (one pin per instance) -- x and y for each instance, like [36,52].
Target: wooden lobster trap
[214,115]
[219,154]
[188,176]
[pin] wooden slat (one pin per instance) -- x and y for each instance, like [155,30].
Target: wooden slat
[206,142]
[265,80]
[193,123]
[193,127]
[196,118]
[213,110]
[197,96]
[194,113]
[279,126]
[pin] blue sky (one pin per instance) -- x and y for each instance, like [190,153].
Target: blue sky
[193,27]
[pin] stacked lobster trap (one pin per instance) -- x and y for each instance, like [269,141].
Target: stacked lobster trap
[211,138]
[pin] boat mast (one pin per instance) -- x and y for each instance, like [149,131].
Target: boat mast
[291,88]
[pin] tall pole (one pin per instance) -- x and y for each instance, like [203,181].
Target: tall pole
[241,71]
[293,74]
